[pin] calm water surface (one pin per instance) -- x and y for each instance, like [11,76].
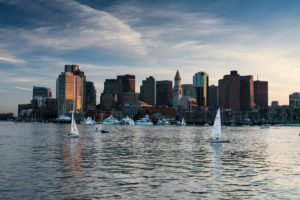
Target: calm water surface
[159,162]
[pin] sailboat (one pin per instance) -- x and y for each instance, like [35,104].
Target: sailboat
[216,133]
[182,122]
[74,131]
[131,122]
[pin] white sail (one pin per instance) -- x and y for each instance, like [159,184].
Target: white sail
[182,122]
[217,129]
[131,122]
[74,129]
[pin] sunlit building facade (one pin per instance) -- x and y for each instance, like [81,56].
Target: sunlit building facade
[71,90]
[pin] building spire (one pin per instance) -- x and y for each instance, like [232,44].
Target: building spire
[177,76]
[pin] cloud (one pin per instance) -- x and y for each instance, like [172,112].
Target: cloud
[69,25]
[12,60]
[22,88]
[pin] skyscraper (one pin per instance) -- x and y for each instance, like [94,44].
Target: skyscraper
[213,96]
[111,96]
[164,93]
[128,82]
[71,90]
[229,91]
[90,96]
[40,92]
[246,92]
[148,91]
[177,91]
[261,94]
[201,82]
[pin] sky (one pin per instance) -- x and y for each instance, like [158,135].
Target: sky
[107,38]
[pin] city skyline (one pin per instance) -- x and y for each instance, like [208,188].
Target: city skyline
[148,38]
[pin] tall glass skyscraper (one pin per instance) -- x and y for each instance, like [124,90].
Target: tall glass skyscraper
[201,82]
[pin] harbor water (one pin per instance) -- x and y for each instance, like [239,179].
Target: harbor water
[155,162]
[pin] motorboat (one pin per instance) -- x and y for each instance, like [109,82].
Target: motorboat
[125,120]
[163,122]
[216,133]
[144,121]
[88,121]
[111,121]
[63,119]
[265,126]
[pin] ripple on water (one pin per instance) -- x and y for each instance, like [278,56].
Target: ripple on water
[160,162]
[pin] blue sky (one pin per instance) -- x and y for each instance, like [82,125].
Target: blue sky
[106,38]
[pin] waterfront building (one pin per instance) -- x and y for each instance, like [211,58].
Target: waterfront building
[164,93]
[187,103]
[148,91]
[71,90]
[90,96]
[177,91]
[109,102]
[246,92]
[188,90]
[229,91]
[39,92]
[130,98]
[294,100]
[261,94]
[201,82]
[213,96]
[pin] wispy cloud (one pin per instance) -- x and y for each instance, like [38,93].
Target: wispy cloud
[70,26]
[22,88]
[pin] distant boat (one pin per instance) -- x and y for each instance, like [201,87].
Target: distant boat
[111,121]
[265,126]
[182,122]
[145,121]
[63,119]
[102,130]
[125,120]
[74,131]
[216,133]
[88,121]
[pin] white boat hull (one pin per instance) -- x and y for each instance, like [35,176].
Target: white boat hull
[144,123]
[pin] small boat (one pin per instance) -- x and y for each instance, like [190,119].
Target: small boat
[102,130]
[264,126]
[216,133]
[63,119]
[74,131]
[145,121]
[88,121]
[111,121]
[163,122]
[125,120]
[182,122]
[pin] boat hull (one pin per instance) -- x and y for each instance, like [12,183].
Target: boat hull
[71,136]
[218,141]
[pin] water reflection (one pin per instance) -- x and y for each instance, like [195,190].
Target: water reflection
[147,163]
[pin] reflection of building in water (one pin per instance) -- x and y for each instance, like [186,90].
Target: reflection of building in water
[71,171]
[72,157]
